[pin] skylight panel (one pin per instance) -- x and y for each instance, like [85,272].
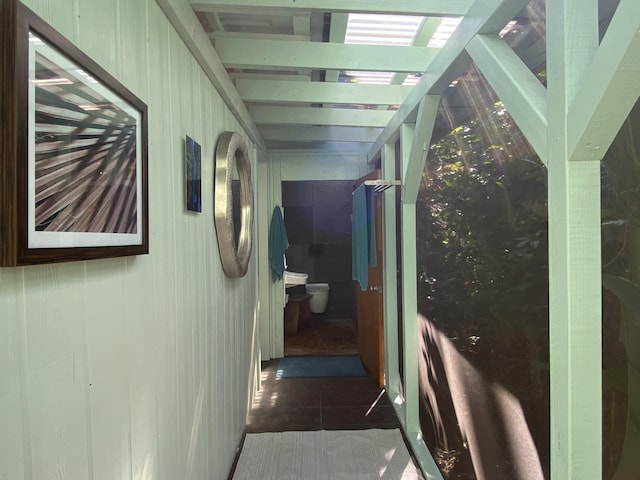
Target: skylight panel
[444,31]
[412,79]
[371,29]
[377,78]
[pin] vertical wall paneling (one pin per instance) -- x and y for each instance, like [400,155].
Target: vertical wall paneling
[263,217]
[141,367]
[108,380]
[12,444]
[132,68]
[55,359]
[97,27]
[162,218]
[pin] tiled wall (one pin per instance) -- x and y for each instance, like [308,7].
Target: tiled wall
[318,222]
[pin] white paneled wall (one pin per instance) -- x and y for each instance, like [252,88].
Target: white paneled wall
[133,368]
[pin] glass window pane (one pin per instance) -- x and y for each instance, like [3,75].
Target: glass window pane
[483,291]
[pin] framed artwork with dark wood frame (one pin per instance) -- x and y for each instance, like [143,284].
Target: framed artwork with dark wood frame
[73,151]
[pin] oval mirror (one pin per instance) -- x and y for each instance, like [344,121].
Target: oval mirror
[233,219]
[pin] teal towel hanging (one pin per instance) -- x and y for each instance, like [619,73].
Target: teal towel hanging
[278,244]
[363,235]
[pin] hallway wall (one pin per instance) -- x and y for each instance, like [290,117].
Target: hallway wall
[141,367]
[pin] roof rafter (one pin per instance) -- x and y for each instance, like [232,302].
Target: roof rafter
[432,8]
[522,93]
[487,16]
[320,133]
[610,88]
[276,54]
[341,117]
[186,23]
[256,91]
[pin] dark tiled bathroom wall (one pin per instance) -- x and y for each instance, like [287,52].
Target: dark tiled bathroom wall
[317,216]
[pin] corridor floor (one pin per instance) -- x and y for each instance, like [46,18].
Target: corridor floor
[326,403]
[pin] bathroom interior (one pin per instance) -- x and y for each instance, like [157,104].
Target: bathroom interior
[319,316]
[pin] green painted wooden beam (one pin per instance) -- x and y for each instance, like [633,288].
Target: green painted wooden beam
[342,117]
[425,122]
[278,54]
[186,23]
[575,323]
[337,34]
[432,8]
[409,293]
[390,279]
[610,87]
[258,36]
[484,16]
[260,91]
[290,133]
[423,35]
[522,93]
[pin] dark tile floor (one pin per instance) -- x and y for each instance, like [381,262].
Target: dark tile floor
[326,403]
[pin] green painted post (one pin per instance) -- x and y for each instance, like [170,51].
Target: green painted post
[574,254]
[409,293]
[389,267]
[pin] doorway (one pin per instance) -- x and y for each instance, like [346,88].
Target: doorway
[317,217]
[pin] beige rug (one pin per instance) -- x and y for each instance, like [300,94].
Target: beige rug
[326,455]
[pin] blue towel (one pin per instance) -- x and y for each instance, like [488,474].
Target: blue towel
[363,235]
[278,244]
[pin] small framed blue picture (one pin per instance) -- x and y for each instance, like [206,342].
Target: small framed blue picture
[193,175]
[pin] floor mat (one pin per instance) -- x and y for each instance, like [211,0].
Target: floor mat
[321,366]
[326,455]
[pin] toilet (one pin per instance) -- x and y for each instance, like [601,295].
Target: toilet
[319,296]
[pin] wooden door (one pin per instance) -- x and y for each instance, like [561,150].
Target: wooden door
[370,312]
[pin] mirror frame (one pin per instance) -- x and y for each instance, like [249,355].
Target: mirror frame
[232,150]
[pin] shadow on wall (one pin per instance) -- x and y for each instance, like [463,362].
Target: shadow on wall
[492,440]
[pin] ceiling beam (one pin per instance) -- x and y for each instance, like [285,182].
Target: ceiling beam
[610,87]
[339,117]
[337,34]
[186,23]
[263,91]
[431,8]
[302,25]
[258,36]
[485,16]
[519,89]
[277,54]
[423,35]
[319,134]
[420,142]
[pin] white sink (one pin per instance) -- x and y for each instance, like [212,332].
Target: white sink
[293,278]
